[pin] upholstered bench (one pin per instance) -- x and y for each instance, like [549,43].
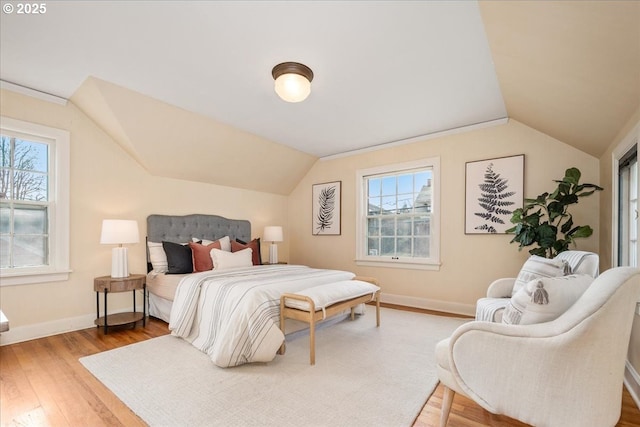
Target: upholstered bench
[320,302]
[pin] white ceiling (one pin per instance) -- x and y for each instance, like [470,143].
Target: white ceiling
[385,71]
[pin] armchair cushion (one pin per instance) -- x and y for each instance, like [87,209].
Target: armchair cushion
[543,300]
[537,267]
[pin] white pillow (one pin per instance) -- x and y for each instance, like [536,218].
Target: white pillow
[543,300]
[538,267]
[225,242]
[223,259]
[158,257]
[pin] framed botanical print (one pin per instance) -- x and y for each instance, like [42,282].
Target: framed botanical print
[326,208]
[493,190]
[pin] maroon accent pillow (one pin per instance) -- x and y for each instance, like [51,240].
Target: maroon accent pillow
[238,245]
[202,255]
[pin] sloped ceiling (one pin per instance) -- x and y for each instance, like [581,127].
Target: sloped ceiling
[172,142]
[196,75]
[570,69]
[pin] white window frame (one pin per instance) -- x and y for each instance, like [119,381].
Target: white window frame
[59,164]
[627,143]
[364,259]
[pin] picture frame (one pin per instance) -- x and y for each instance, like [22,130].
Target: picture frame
[326,209]
[494,188]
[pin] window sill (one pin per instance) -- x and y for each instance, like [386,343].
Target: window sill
[29,278]
[433,266]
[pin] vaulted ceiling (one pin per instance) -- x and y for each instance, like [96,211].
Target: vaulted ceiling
[197,75]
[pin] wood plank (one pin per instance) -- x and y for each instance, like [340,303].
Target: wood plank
[18,396]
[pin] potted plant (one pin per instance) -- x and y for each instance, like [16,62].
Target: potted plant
[545,220]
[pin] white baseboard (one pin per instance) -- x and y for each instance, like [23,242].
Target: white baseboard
[632,382]
[429,304]
[40,330]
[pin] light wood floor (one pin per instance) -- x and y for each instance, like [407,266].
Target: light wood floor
[42,383]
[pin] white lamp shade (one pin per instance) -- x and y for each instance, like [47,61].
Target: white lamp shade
[292,87]
[119,231]
[272,233]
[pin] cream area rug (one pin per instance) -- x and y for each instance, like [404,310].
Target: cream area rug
[363,376]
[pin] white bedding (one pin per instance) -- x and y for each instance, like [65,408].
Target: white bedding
[233,315]
[164,285]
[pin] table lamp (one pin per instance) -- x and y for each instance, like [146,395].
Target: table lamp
[273,234]
[119,232]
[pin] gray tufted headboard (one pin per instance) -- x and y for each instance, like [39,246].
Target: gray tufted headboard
[180,229]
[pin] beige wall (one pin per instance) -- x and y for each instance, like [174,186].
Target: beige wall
[107,183]
[469,262]
[606,238]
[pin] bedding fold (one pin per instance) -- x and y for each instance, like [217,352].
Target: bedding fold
[233,315]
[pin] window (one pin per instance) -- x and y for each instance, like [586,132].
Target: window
[397,215]
[628,208]
[34,203]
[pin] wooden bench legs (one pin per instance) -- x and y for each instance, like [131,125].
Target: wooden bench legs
[313,316]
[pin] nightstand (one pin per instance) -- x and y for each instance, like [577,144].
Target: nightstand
[108,284]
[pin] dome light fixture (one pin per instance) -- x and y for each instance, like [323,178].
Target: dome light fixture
[293,81]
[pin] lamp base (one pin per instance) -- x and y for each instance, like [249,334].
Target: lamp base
[273,253]
[119,265]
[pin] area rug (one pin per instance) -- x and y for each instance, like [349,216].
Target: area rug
[363,376]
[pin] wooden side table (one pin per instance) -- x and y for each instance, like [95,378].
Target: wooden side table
[108,284]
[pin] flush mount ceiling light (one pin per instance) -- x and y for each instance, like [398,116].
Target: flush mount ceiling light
[293,81]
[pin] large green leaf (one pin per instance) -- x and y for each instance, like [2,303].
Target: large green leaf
[567,225]
[561,246]
[538,251]
[530,202]
[516,217]
[568,199]
[541,199]
[532,219]
[583,231]
[546,235]
[572,175]
[555,210]
[527,237]
[563,188]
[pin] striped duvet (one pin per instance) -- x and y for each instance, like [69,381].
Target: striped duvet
[233,315]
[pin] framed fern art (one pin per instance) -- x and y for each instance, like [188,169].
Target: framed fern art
[493,190]
[326,208]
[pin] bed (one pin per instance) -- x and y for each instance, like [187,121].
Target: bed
[232,314]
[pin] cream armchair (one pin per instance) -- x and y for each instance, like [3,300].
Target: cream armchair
[500,291]
[567,372]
